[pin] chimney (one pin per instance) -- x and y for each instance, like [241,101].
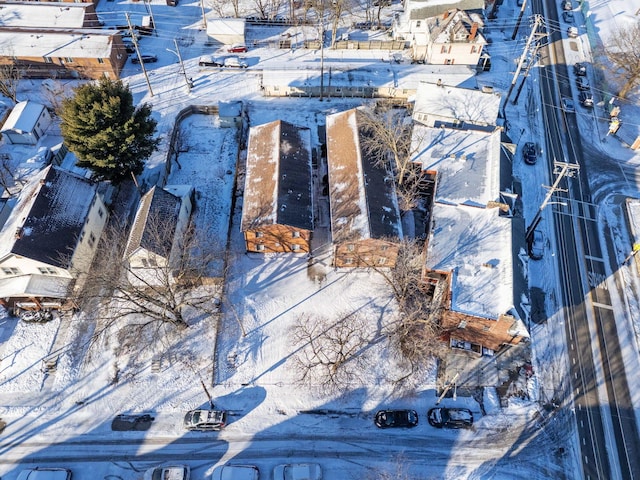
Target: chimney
[445,15]
[474,30]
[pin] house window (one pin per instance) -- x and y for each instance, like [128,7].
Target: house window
[448,61]
[10,270]
[348,261]
[486,328]
[383,248]
[418,24]
[260,247]
[474,49]
[295,247]
[144,262]
[462,324]
[68,60]
[47,271]
[92,239]
[295,234]
[382,260]
[47,60]
[101,60]
[100,212]
[259,234]
[351,247]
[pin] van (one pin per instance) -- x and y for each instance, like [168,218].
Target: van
[45,473]
[235,62]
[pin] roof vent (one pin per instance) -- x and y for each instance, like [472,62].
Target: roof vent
[19,232]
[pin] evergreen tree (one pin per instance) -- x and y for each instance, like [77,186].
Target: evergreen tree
[106,132]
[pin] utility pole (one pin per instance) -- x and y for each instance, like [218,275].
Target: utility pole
[534,34]
[515,30]
[135,44]
[451,383]
[322,51]
[531,63]
[147,4]
[204,17]
[184,72]
[561,169]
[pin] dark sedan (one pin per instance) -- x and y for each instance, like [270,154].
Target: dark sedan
[450,417]
[396,419]
[145,59]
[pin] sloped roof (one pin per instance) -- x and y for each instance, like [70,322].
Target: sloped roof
[34,286]
[23,117]
[278,183]
[155,223]
[225,26]
[47,14]
[423,9]
[467,163]
[34,42]
[457,23]
[458,104]
[363,203]
[48,217]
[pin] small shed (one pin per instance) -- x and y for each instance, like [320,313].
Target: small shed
[230,114]
[225,30]
[27,122]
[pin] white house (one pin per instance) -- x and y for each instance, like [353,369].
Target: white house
[48,15]
[437,104]
[26,123]
[226,30]
[50,237]
[158,230]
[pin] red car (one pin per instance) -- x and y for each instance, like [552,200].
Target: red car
[237,48]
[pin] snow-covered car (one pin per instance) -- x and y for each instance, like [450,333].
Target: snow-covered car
[145,59]
[237,48]
[529,153]
[236,472]
[568,105]
[441,417]
[566,5]
[205,420]
[209,61]
[235,62]
[536,246]
[580,69]
[45,473]
[298,471]
[572,32]
[396,418]
[172,472]
[567,16]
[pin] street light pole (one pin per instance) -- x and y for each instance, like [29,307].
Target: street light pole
[187,81]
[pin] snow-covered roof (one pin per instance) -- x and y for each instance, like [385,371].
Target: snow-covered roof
[84,43]
[422,9]
[158,211]
[456,26]
[342,76]
[278,184]
[362,200]
[467,163]
[458,104]
[230,109]
[23,117]
[225,26]
[47,14]
[475,245]
[49,217]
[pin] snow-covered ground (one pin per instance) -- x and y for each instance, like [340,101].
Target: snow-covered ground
[246,358]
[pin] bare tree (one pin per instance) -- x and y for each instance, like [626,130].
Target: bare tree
[330,353]
[10,76]
[386,138]
[623,51]
[336,9]
[54,94]
[159,292]
[220,7]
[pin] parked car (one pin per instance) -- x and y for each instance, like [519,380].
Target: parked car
[567,16]
[128,46]
[536,246]
[572,32]
[237,48]
[145,59]
[235,62]
[580,69]
[205,420]
[209,61]
[583,83]
[298,471]
[46,473]
[586,99]
[568,105]
[235,472]
[441,417]
[566,5]
[396,418]
[173,472]
[529,153]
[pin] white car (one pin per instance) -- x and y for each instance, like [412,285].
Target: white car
[45,474]
[236,472]
[298,471]
[172,472]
